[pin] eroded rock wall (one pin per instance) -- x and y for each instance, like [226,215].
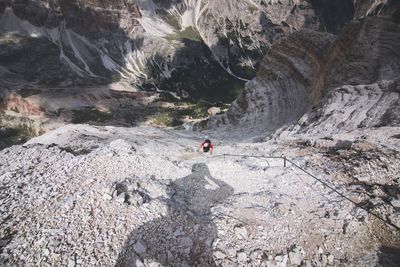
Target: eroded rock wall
[157,44]
[301,70]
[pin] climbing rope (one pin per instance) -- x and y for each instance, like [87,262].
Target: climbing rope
[285,160]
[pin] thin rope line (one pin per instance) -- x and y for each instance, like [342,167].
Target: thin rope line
[317,179]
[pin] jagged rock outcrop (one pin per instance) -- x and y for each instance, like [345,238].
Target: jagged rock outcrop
[291,81]
[350,108]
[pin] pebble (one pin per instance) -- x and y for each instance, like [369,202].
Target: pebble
[121,198]
[139,247]
[395,203]
[185,242]
[281,260]
[241,232]
[242,257]
[219,255]
[296,255]
[331,259]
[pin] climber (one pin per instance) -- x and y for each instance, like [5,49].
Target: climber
[207,146]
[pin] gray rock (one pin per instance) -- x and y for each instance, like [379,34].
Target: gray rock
[306,263]
[324,260]
[185,242]
[121,198]
[395,203]
[136,199]
[170,257]
[139,247]
[343,144]
[179,232]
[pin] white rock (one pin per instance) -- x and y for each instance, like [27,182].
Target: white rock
[219,255]
[107,197]
[363,178]
[296,256]
[154,264]
[46,252]
[331,259]
[281,260]
[213,111]
[139,263]
[241,257]
[71,262]
[241,232]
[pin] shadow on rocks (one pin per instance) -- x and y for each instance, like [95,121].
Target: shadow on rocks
[389,256]
[185,235]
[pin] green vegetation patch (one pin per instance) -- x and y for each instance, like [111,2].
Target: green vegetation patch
[166,118]
[188,33]
[90,115]
[172,117]
[28,92]
[14,136]
[10,38]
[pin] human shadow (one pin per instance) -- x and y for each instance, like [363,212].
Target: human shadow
[389,256]
[185,235]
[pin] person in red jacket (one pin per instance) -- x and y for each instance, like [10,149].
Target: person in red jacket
[207,146]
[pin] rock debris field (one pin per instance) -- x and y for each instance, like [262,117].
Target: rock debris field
[86,195]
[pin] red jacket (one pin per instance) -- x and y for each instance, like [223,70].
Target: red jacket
[211,145]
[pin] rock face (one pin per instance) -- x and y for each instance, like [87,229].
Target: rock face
[190,49]
[353,107]
[153,44]
[301,70]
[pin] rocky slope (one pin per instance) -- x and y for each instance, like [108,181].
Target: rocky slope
[85,195]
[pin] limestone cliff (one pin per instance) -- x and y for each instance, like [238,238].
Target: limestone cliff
[301,70]
[152,44]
